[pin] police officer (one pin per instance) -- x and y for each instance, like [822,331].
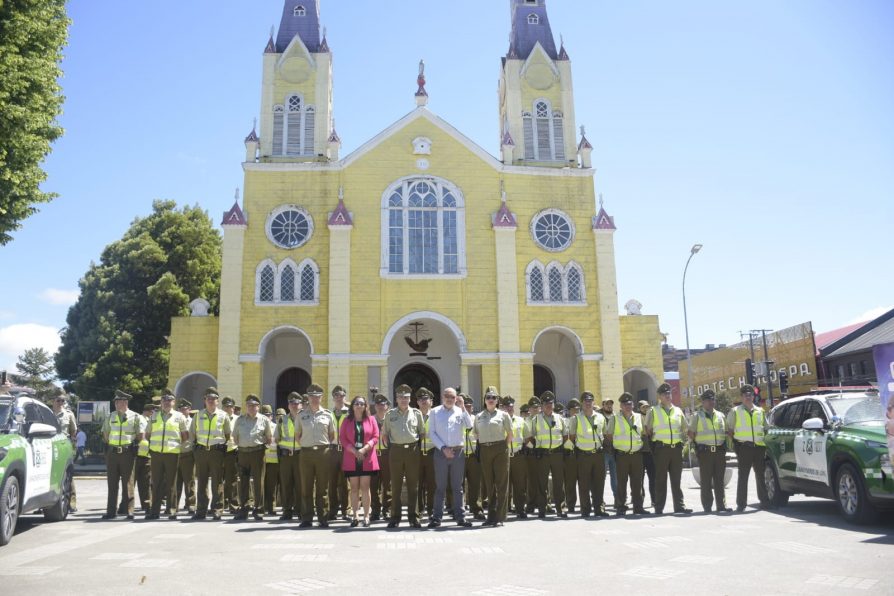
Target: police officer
[646,451]
[518,465]
[587,430]
[625,432]
[286,438]
[667,427]
[381,482]
[271,466]
[252,433]
[570,460]
[123,431]
[548,429]
[472,470]
[533,489]
[186,465]
[168,430]
[210,432]
[607,411]
[708,433]
[70,429]
[230,473]
[424,399]
[402,432]
[746,424]
[141,463]
[316,435]
[338,484]
[493,432]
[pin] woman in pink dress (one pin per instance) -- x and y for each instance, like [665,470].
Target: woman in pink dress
[358,437]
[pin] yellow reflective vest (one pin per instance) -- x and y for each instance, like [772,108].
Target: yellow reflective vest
[627,437]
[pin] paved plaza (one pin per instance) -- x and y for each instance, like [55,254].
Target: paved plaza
[803,549]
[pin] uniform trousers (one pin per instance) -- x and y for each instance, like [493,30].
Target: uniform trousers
[570,479]
[231,479]
[551,462]
[338,485]
[449,471]
[250,463]
[186,479]
[142,477]
[473,484]
[591,478]
[381,486]
[630,467]
[404,464]
[648,473]
[751,457]
[712,470]
[164,485]
[533,486]
[119,471]
[209,467]
[427,482]
[668,463]
[314,470]
[290,481]
[612,467]
[518,481]
[495,478]
[271,486]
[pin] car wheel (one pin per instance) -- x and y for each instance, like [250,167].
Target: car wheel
[59,511]
[850,494]
[777,497]
[9,508]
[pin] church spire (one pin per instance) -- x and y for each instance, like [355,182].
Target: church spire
[300,18]
[530,25]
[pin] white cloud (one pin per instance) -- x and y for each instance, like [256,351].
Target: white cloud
[872,313]
[60,297]
[15,339]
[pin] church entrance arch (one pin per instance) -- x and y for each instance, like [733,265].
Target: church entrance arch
[424,347]
[558,349]
[418,375]
[642,385]
[291,379]
[193,386]
[543,380]
[282,350]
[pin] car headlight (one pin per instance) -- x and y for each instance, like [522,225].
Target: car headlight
[877,445]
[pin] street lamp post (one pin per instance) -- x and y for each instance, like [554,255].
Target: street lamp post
[695,248]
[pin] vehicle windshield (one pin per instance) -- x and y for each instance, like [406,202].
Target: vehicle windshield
[852,410]
[4,414]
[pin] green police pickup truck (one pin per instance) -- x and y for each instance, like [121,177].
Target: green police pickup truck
[36,463]
[831,445]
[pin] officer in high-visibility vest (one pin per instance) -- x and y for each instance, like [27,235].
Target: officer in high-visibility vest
[286,439]
[209,432]
[472,470]
[707,430]
[424,399]
[231,473]
[624,431]
[530,452]
[69,428]
[587,430]
[381,483]
[252,433]
[168,430]
[548,429]
[186,465]
[141,463]
[316,434]
[746,424]
[123,431]
[338,484]
[570,460]
[518,464]
[271,466]
[666,426]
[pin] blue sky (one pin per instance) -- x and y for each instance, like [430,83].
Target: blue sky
[763,130]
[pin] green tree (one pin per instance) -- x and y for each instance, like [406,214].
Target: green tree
[36,371]
[117,331]
[32,35]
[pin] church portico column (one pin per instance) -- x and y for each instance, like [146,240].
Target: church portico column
[611,373]
[340,225]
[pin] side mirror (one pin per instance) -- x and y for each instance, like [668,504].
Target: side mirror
[813,424]
[38,429]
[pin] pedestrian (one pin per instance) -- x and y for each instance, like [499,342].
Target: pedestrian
[142,477]
[70,429]
[271,466]
[518,466]
[625,433]
[548,429]
[81,446]
[168,431]
[472,465]
[186,465]
[607,411]
[381,484]
[668,429]
[648,460]
[448,423]
[402,432]
[708,434]
[210,432]
[424,399]
[493,432]
[252,433]
[747,425]
[316,435]
[123,431]
[231,474]
[358,437]
[587,430]
[570,459]
[289,458]
[338,484]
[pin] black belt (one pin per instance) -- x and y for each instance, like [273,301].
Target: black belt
[710,448]
[593,452]
[545,450]
[218,447]
[317,447]
[252,449]
[404,445]
[492,443]
[285,452]
[121,449]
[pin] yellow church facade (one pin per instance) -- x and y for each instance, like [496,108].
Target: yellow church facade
[420,257]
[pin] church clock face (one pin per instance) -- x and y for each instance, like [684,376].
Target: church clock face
[552,230]
[289,227]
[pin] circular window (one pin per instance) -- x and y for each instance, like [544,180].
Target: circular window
[552,230]
[289,227]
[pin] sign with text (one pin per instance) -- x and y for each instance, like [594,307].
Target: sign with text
[883,354]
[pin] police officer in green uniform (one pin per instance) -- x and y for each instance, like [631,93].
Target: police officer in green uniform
[141,463]
[70,429]
[648,460]
[122,431]
[587,431]
[231,471]
[707,430]
[570,460]
[338,484]
[518,465]
[402,432]
[473,466]
[316,435]
[210,432]
[530,454]
[624,431]
[168,430]
[286,438]
[548,429]
[746,424]
[668,430]
[424,399]
[493,432]
[271,466]
[186,465]
[381,482]
[251,433]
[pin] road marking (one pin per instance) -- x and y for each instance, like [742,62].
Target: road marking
[654,572]
[396,546]
[434,540]
[482,550]
[841,581]
[13,571]
[45,551]
[303,558]
[697,559]
[509,590]
[292,546]
[117,556]
[395,536]
[297,586]
[799,548]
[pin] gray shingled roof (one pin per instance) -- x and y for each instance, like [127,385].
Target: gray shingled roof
[882,334]
[308,26]
[524,36]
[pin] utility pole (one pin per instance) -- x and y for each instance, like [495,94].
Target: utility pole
[768,363]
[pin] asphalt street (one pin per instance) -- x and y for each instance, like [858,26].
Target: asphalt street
[804,548]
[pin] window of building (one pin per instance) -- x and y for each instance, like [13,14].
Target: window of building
[309,283]
[294,124]
[535,285]
[552,230]
[299,11]
[533,19]
[544,132]
[266,283]
[289,227]
[288,284]
[574,281]
[555,284]
[423,231]
[852,367]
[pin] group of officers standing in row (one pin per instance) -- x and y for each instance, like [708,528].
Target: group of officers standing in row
[539,461]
